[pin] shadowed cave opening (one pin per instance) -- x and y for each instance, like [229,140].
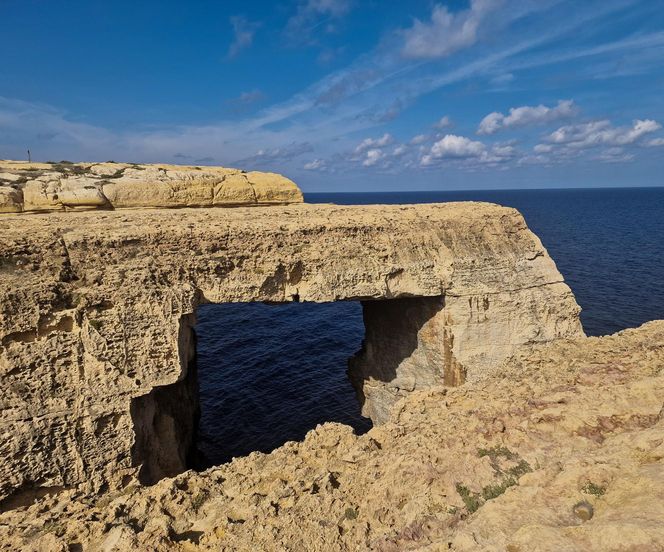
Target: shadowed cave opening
[269,373]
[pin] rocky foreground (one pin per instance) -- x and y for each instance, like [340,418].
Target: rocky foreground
[561,448]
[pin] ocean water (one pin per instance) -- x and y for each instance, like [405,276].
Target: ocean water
[268,374]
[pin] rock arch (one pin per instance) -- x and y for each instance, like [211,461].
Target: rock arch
[96,315]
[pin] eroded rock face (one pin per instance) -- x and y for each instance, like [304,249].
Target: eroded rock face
[97,310]
[560,448]
[30,187]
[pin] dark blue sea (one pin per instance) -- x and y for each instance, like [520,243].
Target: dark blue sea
[268,374]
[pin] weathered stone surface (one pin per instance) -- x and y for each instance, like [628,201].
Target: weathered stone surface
[11,200]
[97,310]
[497,464]
[83,186]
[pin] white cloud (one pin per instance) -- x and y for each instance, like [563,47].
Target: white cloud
[369,143]
[468,153]
[315,165]
[655,142]
[543,148]
[446,32]
[456,146]
[614,155]
[443,122]
[399,151]
[372,157]
[534,160]
[526,115]
[597,133]
[419,139]
[491,123]
[244,31]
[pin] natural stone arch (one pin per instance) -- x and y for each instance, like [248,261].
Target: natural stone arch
[95,310]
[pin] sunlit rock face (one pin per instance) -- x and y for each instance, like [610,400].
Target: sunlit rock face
[97,315]
[64,186]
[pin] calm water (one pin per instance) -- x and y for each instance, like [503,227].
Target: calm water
[268,374]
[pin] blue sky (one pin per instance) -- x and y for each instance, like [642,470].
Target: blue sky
[344,95]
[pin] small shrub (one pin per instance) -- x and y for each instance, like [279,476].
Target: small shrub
[199,500]
[593,489]
[350,513]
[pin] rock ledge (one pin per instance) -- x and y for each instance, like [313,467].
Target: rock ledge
[35,187]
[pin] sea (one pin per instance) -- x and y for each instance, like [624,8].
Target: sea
[270,373]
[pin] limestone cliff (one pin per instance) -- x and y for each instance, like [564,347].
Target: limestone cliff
[34,187]
[97,311]
[561,447]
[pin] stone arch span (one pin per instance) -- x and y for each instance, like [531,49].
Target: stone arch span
[96,311]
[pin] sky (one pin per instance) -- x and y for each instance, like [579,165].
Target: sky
[344,95]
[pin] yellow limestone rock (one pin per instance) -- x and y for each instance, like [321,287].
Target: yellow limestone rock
[494,465]
[97,310]
[234,189]
[11,200]
[273,188]
[80,186]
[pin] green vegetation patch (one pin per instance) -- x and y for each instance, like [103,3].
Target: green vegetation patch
[508,477]
[350,513]
[593,489]
[471,500]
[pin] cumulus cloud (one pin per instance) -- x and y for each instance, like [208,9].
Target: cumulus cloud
[372,157]
[466,152]
[446,32]
[443,122]
[419,139]
[526,115]
[452,145]
[373,143]
[602,132]
[655,142]
[315,165]
[244,31]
